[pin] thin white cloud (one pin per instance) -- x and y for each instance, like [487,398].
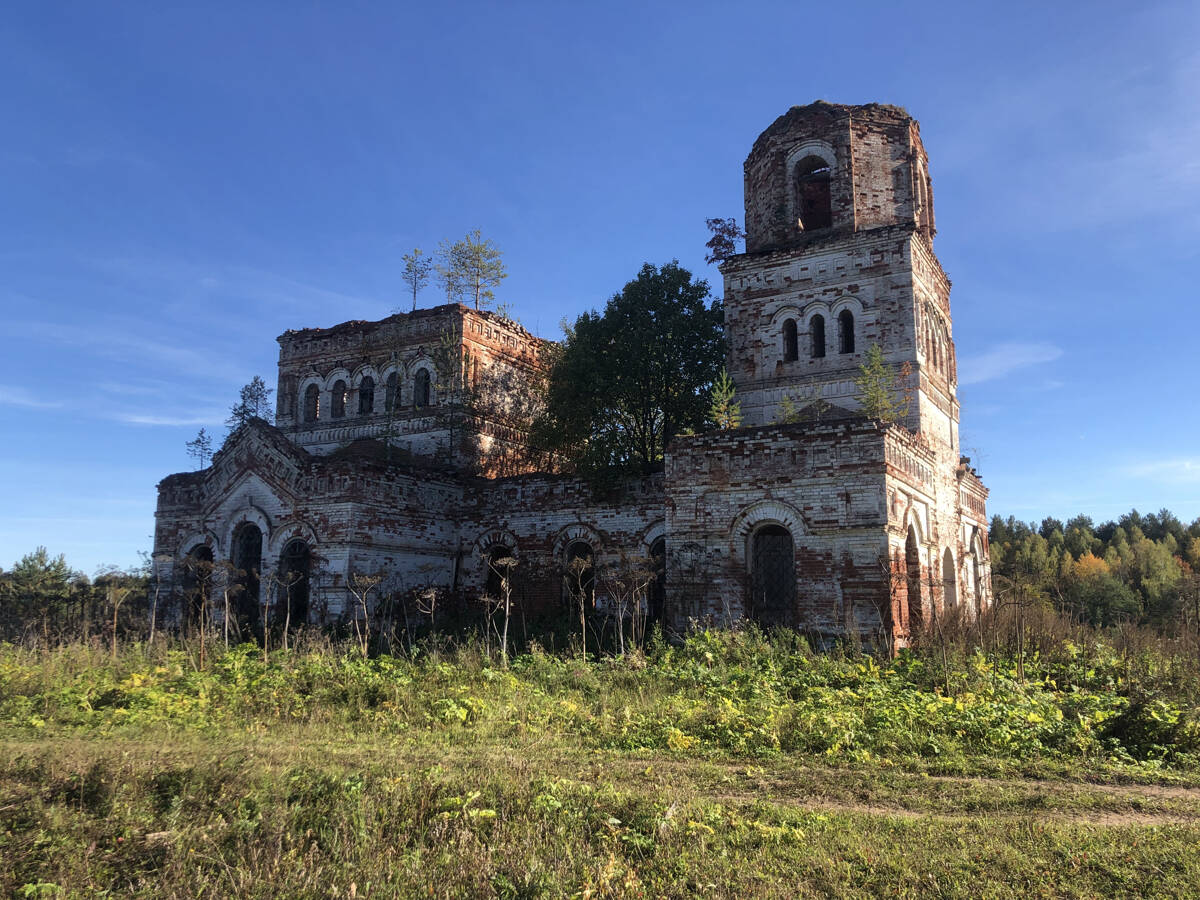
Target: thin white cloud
[1004,359]
[1182,470]
[210,418]
[18,396]
[187,285]
[113,343]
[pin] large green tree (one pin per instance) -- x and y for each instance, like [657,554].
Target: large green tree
[631,378]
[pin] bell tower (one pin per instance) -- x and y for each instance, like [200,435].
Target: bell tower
[839,256]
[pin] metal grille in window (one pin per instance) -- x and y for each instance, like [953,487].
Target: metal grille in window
[773,588]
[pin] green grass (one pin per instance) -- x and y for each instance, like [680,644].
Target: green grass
[729,767]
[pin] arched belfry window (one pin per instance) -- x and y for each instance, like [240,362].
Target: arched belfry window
[816,337]
[366,396]
[790,351]
[391,386]
[312,403]
[421,388]
[813,202]
[337,404]
[845,331]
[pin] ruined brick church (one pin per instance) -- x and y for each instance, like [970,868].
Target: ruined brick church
[825,520]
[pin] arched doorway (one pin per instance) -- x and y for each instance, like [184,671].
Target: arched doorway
[581,575]
[197,584]
[247,559]
[912,570]
[657,595]
[976,575]
[295,570]
[500,563]
[949,580]
[772,577]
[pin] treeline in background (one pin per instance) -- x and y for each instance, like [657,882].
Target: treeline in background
[1137,569]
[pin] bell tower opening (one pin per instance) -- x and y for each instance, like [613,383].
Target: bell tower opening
[813,200]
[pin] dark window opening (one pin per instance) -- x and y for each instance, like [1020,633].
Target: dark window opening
[312,403]
[247,559]
[366,396]
[790,352]
[421,388]
[845,331]
[390,388]
[773,577]
[812,194]
[338,401]
[295,567]
[816,330]
[912,570]
[581,574]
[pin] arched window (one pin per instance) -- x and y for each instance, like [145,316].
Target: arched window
[949,580]
[790,352]
[845,331]
[772,577]
[912,571]
[581,574]
[337,405]
[421,388]
[812,194]
[312,403]
[295,567]
[500,563]
[390,397]
[366,396]
[816,336]
[247,559]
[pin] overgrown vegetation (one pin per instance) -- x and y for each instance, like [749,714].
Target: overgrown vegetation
[730,765]
[1027,753]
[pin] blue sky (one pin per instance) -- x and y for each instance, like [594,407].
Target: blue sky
[180,184]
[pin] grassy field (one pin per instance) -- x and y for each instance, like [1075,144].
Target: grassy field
[728,767]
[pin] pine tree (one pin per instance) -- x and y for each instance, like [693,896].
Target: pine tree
[416,272]
[725,412]
[470,268]
[878,387]
[201,448]
[254,402]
